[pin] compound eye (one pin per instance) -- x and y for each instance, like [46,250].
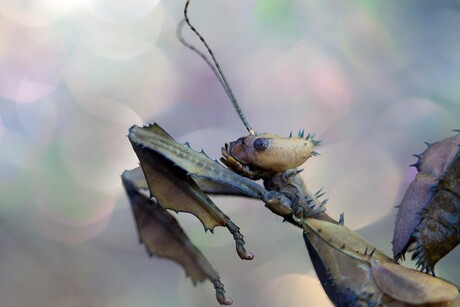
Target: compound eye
[261,144]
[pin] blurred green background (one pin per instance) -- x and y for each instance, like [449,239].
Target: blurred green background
[374,80]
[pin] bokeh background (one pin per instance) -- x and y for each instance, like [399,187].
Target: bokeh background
[374,80]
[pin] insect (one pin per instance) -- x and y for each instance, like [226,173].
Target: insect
[174,176]
[428,220]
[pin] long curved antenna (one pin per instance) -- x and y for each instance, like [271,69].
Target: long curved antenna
[181,38]
[217,70]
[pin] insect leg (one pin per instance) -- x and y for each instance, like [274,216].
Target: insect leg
[162,235]
[239,240]
[276,202]
[176,190]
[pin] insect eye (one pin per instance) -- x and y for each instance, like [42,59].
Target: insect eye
[261,144]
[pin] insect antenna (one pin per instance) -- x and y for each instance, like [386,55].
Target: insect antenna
[215,68]
[181,38]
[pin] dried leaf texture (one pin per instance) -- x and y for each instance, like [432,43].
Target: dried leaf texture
[197,164]
[353,275]
[160,232]
[429,215]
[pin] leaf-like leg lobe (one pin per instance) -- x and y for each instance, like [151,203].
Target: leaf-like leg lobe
[162,235]
[428,218]
[411,286]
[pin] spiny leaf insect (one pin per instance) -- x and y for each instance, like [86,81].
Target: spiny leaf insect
[352,271]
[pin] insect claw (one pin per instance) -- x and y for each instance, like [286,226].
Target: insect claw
[301,133]
[342,218]
[365,251]
[220,292]
[291,173]
[290,134]
[239,241]
[417,156]
[428,144]
[315,153]
[242,251]
[324,202]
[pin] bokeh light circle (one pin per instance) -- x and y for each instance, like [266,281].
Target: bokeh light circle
[121,11]
[73,220]
[39,119]
[372,46]
[363,181]
[122,91]
[35,13]
[96,151]
[32,62]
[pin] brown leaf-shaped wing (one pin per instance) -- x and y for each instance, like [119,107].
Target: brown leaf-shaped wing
[439,230]
[344,273]
[175,190]
[169,166]
[162,235]
[197,164]
[160,232]
[429,215]
[353,275]
[170,169]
